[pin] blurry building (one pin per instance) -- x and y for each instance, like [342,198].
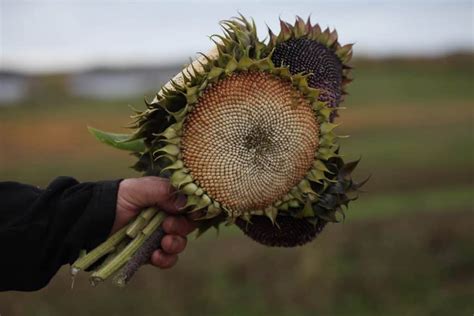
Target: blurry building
[118,83]
[13,88]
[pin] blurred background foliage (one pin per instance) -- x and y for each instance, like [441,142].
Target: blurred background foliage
[405,247]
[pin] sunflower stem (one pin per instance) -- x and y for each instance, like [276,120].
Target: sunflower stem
[106,247]
[115,253]
[141,257]
[124,256]
[141,221]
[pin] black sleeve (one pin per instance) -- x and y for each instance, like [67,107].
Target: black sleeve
[40,230]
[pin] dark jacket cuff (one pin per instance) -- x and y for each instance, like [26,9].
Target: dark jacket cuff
[98,218]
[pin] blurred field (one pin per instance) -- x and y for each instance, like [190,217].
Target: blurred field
[405,247]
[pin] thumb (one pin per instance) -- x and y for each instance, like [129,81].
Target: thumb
[137,193]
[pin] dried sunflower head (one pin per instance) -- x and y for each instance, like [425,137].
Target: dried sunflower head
[305,48]
[247,133]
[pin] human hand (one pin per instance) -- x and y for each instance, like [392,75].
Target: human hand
[135,194]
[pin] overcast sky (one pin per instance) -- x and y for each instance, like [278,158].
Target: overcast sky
[47,35]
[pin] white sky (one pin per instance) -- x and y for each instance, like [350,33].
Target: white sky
[47,35]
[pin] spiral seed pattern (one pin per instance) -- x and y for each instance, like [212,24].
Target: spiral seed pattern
[250,138]
[308,56]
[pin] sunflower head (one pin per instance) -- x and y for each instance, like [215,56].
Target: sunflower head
[247,134]
[305,48]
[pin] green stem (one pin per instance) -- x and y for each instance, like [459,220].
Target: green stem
[116,263]
[141,221]
[106,247]
[115,253]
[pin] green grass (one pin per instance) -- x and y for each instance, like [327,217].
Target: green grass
[414,147]
[406,203]
[432,82]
